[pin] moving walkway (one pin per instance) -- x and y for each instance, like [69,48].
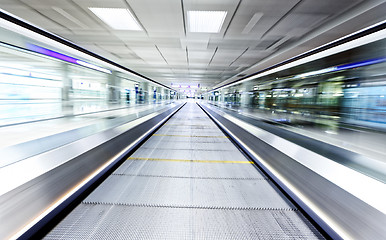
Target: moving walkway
[187,181]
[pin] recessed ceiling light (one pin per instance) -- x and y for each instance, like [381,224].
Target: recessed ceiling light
[117,18]
[206,21]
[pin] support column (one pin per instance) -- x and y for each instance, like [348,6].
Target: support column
[114,88]
[143,93]
[67,102]
[222,95]
[159,94]
[166,94]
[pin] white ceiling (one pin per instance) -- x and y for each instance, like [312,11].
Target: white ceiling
[255,33]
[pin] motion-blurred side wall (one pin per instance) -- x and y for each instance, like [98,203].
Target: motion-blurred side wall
[35,86]
[348,87]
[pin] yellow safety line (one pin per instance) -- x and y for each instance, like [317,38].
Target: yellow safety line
[185,160]
[167,135]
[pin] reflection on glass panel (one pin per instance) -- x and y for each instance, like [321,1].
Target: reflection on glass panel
[30,87]
[34,86]
[350,92]
[340,99]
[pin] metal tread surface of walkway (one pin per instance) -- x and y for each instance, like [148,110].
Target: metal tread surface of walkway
[188,181]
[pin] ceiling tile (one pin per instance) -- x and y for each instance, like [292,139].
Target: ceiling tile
[96,3]
[231,44]
[328,7]
[297,20]
[33,17]
[195,43]
[272,11]
[163,16]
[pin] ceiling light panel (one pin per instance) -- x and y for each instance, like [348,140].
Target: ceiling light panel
[117,18]
[206,21]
